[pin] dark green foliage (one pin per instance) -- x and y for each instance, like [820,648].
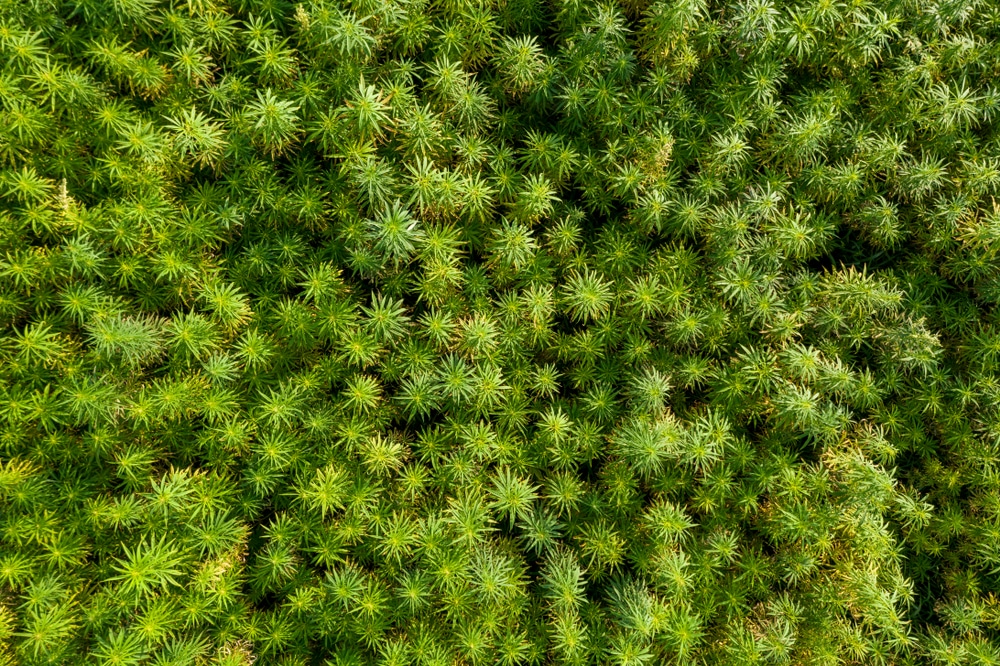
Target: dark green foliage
[499,332]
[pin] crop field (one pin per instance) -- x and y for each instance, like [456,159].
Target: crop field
[499,332]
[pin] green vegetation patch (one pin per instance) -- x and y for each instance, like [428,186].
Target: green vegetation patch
[516,332]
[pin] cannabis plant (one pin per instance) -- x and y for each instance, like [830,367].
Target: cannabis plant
[638,332]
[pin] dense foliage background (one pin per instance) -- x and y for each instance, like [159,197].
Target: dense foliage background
[446,332]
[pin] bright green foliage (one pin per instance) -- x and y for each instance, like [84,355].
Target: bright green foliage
[348,332]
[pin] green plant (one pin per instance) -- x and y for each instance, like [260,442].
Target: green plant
[499,332]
